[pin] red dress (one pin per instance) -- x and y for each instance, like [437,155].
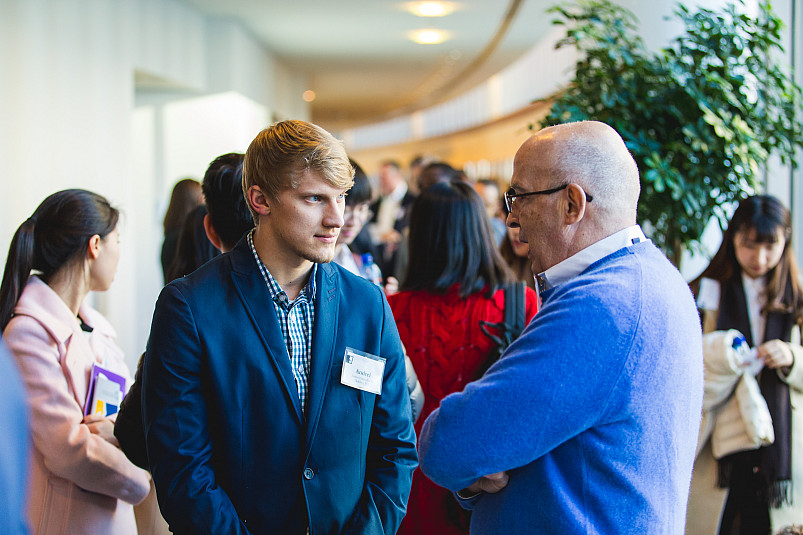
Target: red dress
[443,339]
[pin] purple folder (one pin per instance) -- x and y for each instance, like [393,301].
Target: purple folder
[106,391]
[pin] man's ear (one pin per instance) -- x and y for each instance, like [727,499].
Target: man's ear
[93,249]
[211,233]
[575,208]
[260,203]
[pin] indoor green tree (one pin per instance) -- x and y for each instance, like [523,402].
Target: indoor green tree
[701,116]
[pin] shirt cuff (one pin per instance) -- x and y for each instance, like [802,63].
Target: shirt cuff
[465,494]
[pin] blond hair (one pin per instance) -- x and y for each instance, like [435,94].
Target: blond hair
[281,152]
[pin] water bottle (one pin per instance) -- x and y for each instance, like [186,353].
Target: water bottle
[370,270]
[748,358]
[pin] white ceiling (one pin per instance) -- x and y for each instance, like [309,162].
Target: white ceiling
[359,61]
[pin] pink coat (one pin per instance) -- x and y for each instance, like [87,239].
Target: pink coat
[79,482]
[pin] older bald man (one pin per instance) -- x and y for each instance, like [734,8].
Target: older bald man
[588,422]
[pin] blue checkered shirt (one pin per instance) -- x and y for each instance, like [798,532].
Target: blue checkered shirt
[295,318]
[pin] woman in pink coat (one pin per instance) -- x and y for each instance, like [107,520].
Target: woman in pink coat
[80,481]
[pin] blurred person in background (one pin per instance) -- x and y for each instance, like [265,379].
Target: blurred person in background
[752,285]
[80,481]
[193,248]
[185,196]
[515,254]
[492,199]
[391,213]
[453,282]
[229,218]
[416,165]
[435,172]
[355,216]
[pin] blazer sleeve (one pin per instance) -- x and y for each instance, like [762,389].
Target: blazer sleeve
[69,450]
[177,434]
[391,456]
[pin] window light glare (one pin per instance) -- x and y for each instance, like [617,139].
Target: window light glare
[428,36]
[430,9]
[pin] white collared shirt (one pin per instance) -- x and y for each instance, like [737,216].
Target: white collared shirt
[388,211]
[578,262]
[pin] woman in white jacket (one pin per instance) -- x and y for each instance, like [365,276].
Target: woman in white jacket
[80,482]
[752,285]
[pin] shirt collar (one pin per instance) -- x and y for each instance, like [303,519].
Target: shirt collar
[578,262]
[276,292]
[40,301]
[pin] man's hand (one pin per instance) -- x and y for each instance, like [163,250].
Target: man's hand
[492,483]
[101,426]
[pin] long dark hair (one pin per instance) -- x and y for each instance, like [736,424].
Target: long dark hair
[450,243]
[765,214]
[193,248]
[55,235]
[185,196]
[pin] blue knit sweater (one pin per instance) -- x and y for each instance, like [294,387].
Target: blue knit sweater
[594,410]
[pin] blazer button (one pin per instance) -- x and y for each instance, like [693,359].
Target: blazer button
[308,473]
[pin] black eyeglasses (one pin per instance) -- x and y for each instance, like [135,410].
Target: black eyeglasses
[511,195]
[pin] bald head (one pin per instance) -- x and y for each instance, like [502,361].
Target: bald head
[574,184]
[593,155]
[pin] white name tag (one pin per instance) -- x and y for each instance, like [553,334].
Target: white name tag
[363,371]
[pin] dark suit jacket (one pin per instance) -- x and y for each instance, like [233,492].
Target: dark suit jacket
[228,446]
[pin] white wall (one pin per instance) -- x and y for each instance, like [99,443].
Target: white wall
[70,116]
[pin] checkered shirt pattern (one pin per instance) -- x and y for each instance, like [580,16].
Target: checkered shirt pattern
[295,319]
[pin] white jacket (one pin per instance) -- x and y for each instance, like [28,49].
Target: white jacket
[735,415]
[706,500]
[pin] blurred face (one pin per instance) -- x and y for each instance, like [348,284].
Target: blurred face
[389,178]
[757,258]
[519,248]
[104,267]
[490,198]
[354,218]
[306,220]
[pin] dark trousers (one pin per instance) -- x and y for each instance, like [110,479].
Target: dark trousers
[747,510]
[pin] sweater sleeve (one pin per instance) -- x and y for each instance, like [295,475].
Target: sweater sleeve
[68,448]
[553,383]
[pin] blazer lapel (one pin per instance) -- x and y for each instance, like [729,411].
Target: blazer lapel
[324,332]
[256,298]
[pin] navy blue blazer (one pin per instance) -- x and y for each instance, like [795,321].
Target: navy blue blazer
[228,446]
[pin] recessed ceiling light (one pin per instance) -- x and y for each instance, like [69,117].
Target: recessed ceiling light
[308,95]
[430,9]
[428,36]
